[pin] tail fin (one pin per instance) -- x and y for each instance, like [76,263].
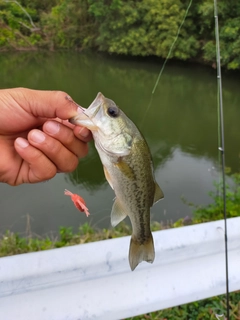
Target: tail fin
[141,252]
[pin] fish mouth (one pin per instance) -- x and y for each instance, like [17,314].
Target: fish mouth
[82,119]
[85,116]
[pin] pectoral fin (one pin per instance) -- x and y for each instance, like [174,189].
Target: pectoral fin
[125,168]
[158,195]
[117,214]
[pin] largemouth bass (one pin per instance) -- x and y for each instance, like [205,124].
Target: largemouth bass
[128,169]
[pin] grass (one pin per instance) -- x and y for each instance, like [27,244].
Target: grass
[12,243]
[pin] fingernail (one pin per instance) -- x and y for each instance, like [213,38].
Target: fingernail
[84,132]
[22,143]
[52,127]
[37,136]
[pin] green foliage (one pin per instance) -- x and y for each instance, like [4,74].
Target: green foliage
[136,28]
[214,211]
[39,5]
[6,35]
[65,26]
[198,310]
[229,32]
[142,27]
[17,25]
[12,243]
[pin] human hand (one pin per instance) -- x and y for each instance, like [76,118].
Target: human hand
[36,140]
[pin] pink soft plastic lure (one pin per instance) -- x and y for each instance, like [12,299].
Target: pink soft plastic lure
[78,201]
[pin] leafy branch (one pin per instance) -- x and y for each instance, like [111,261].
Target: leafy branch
[34,27]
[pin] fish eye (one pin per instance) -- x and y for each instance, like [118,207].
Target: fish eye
[113,111]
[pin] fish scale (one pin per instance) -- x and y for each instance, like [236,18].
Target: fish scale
[128,168]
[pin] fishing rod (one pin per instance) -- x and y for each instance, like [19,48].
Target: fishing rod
[221,148]
[221,144]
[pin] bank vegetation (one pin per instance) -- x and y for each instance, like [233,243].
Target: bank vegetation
[125,27]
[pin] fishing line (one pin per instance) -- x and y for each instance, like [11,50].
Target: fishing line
[171,48]
[221,148]
[167,58]
[221,142]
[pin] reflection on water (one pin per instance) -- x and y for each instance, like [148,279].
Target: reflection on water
[89,173]
[180,127]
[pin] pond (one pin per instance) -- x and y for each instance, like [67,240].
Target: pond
[179,123]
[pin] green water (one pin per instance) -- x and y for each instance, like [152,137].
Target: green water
[180,127]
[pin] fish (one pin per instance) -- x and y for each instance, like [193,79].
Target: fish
[78,201]
[128,168]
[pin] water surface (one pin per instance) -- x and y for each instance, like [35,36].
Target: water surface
[180,127]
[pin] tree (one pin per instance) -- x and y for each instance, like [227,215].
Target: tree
[142,27]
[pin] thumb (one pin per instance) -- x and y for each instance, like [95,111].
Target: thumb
[47,104]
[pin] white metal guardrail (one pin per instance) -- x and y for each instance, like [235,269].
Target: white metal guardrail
[94,281]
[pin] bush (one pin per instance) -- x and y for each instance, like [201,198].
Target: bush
[126,27]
